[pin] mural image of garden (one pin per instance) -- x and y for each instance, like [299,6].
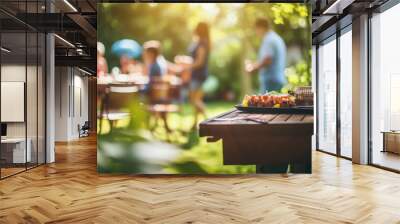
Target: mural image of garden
[164,68]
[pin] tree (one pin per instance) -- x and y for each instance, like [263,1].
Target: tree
[232,30]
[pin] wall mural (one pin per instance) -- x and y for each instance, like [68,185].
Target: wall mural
[165,71]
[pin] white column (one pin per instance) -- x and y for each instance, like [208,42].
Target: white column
[50,94]
[360,90]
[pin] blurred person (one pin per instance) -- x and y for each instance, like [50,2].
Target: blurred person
[129,65]
[151,63]
[126,64]
[157,89]
[270,65]
[102,67]
[182,66]
[161,61]
[271,61]
[199,50]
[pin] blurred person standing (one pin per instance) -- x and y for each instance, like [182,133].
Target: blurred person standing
[153,68]
[271,60]
[161,61]
[102,67]
[199,50]
[270,65]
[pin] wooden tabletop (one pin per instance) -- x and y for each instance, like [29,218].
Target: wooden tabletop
[236,117]
[236,122]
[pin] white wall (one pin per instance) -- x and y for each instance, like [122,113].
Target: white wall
[61,114]
[80,112]
[71,102]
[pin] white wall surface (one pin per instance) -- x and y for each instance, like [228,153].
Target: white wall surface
[71,102]
[61,114]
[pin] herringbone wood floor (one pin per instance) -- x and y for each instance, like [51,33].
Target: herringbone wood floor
[70,191]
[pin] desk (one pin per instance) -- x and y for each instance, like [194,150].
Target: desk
[13,150]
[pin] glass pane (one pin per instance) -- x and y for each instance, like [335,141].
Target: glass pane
[346,94]
[13,86]
[23,89]
[386,89]
[32,87]
[313,82]
[41,98]
[327,97]
[32,97]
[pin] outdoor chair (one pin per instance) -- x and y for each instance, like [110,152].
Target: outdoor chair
[117,101]
[163,100]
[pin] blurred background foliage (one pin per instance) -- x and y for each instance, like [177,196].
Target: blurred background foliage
[232,33]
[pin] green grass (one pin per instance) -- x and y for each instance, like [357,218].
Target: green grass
[197,155]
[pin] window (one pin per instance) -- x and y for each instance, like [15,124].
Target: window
[327,96]
[385,89]
[346,93]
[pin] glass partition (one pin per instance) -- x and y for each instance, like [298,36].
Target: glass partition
[41,96]
[32,98]
[15,151]
[35,88]
[22,91]
[327,96]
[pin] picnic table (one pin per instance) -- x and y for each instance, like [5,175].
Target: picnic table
[115,92]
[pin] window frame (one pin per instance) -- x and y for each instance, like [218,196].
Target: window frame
[341,27]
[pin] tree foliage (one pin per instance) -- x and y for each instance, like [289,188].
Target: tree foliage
[232,32]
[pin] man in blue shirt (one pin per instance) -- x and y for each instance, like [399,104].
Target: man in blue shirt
[271,61]
[270,65]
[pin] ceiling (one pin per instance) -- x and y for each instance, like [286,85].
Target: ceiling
[328,14]
[74,22]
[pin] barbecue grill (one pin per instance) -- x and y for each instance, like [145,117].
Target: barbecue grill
[262,139]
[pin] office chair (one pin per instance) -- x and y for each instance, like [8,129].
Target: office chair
[84,130]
